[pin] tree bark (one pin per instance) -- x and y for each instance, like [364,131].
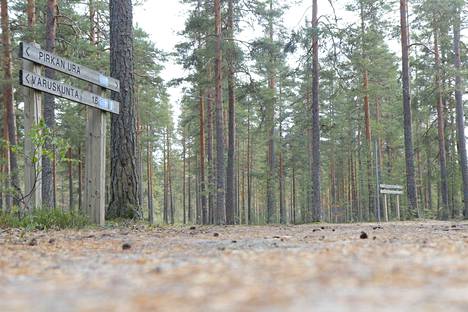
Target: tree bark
[204,210]
[270,124]
[184,165]
[407,114]
[189,191]
[70,180]
[48,186]
[230,178]
[441,131]
[249,169]
[460,114]
[316,200]
[124,189]
[80,181]
[149,173]
[8,100]
[220,211]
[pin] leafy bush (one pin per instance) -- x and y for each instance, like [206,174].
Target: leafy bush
[44,220]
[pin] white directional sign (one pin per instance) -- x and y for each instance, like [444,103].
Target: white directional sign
[39,56]
[392,192]
[57,88]
[390,186]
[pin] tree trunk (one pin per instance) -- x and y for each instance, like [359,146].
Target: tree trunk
[282,199]
[441,132]
[169,177]
[270,125]
[149,173]
[80,181]
[407,114]
[6,166]
[8,99]
[230,179]
[316,201]
[189,191]
[70,180]
[294,197]
[460,115]
[124,195]
[31,12]
[184,165]
[48,185]
[220,211]
[165,188]
[249,169]
[209,152]
[204,210]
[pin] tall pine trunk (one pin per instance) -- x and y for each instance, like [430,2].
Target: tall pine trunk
[230,178]
[367,125]
[209,153]
[8,98]
[124,186]
[316,200]
[48,185]
[184,174]
[407,114]
[220,209]
[270,125]
[204,210]
[70,180]
[149,173]
[441,131]
[460,115]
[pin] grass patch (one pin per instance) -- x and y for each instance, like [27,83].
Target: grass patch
[44,220]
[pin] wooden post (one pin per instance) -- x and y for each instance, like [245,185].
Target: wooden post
[32,116]
[398,207]
[385,208]
[95,163]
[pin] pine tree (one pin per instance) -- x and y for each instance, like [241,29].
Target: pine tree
[124,188]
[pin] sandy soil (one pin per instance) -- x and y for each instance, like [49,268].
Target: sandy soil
[399,267]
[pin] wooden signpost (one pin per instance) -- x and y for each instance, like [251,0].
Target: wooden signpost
[95,169]
[388,189]
[32,115]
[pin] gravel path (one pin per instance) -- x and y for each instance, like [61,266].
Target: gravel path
[399,267]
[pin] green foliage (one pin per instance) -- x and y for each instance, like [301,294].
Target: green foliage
[44,220]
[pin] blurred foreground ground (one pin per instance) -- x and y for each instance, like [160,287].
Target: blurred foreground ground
[400,267]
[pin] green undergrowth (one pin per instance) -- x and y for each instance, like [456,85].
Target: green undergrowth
[44,220]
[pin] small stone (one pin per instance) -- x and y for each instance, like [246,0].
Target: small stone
[32,242]
[374,238]
[234,241]
[363,235]
[215,234]
[193,228]
[52,241]
[126,246]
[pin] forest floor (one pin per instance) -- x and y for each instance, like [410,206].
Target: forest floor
[411,266]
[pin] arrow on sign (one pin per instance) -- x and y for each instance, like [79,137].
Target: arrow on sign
[27,51]
[27,78]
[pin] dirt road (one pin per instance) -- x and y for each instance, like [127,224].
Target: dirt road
[399,267]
